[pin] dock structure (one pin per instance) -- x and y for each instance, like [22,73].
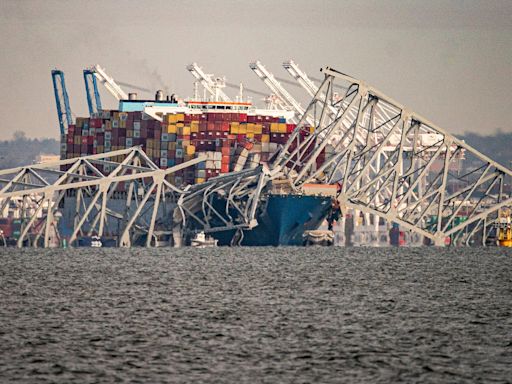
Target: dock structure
[386,161]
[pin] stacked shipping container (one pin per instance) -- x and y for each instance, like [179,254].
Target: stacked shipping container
[232,141]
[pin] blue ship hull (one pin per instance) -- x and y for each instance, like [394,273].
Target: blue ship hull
[284,221]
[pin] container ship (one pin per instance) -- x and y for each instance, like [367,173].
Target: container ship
[233,135]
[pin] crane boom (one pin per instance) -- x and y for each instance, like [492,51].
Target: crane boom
[61,101]
[109,83]
[91,91]
[276,88]
[301,77]
[212,84]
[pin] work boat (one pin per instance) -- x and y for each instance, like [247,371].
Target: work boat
[203,241]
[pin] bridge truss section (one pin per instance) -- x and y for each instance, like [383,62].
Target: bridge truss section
[118,194]
[124,196]
[393,163]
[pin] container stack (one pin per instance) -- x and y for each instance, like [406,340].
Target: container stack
[231,141]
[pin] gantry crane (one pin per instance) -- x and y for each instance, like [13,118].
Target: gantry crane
[212,84]
[277,89]
[91,91]
[62,101]
[108,82]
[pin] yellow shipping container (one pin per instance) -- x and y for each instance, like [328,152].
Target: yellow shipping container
[194,128]
[250,128]
[258,129]
[265,138]
[170,118]
[171,128]
[234,124]
[186,130]
[282,128]
[274,127]
[180,125]
[234,129]
[242,130]
[116,115]
[180,117]
[311,129]
[200,180]
[250,135]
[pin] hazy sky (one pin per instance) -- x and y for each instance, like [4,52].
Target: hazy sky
[450,61]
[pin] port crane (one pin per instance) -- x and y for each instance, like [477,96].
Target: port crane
[91,91]
[287,100]
[109,83]
[212,84]
[62,101]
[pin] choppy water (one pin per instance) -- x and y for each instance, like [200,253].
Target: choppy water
[256,315]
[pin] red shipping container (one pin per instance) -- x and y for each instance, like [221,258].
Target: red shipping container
[95,123]
[225,159]
[224,168]
[242,117]
[225,127]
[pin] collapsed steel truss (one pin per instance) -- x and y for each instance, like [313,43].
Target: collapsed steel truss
[393,163]
[124,195]
[388,161]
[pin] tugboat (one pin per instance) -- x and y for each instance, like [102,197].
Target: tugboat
[203,241]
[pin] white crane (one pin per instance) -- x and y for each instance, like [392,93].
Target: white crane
[212,84]
[301,77]
[277,89]
[109,83]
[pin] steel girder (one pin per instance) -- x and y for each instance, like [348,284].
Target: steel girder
[391,162]
[91,184]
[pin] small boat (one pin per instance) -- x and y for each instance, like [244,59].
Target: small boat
[319,237]
[96,242]
[203,241]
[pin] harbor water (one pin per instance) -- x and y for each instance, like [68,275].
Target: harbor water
[249,315]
